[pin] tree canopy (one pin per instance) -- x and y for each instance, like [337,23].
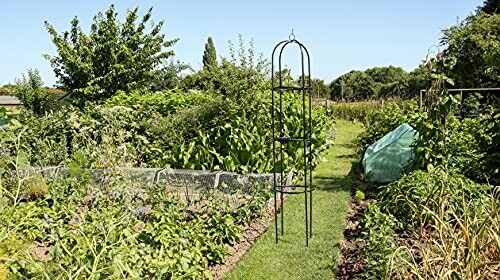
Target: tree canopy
[489,7]
[475,44]
[114,56]
[36,98]
[379,82]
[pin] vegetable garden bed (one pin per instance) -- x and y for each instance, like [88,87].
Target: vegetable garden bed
[74,226]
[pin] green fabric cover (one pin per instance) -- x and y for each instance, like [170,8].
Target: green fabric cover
[385,160]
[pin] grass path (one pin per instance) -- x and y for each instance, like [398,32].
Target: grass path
[290,258]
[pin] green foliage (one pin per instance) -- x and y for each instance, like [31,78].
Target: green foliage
[489,7]
[37,99]
[355,85]
[475,45]
[378,82]
[164,103]
[470,145]
[319,88]
[359,195]
[169,76]
[492,161]
[209,55]
[5,115]
[454,219]
[377,232]
[353,110]
[432,148]
[120,229]
[380,122]
[114,56]
[169,129]
[238,78]
[414,197]
[390,81]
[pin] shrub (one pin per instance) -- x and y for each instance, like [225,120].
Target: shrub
[175,130]
[353,111]
[165,102]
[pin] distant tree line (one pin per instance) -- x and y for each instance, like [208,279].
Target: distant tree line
[379,82]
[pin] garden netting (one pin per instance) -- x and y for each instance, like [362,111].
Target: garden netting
[176,180]
[386,159]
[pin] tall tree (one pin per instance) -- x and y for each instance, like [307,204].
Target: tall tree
[114,56]
[490,7]
[209,55]
[475,43]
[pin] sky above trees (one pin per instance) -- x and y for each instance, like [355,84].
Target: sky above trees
[340,35]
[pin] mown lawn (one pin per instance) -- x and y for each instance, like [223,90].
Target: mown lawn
[290,258]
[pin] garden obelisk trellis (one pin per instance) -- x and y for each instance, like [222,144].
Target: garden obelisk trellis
[281,139]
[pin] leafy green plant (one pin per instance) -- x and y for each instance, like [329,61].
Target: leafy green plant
[121,229]
[359,195]
[415,193]
[164,102]
[377,232]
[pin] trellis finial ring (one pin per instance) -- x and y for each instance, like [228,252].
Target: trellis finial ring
[291,37]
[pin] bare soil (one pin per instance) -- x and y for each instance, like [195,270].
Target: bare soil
[350,263]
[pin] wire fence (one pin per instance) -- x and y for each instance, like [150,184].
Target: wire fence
[176,180]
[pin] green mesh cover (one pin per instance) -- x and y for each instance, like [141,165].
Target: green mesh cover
[385,160]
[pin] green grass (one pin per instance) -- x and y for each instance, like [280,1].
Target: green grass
[290,258]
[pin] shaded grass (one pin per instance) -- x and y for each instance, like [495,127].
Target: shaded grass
[290,258]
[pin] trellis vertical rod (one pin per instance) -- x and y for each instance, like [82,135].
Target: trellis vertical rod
[282,206]
[304,135]
[309,134]
[273,144]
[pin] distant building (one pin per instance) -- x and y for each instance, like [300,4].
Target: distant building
[11,102]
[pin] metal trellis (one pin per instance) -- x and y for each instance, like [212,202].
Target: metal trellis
[282,140]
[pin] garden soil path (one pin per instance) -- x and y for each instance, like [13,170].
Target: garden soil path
[290,258]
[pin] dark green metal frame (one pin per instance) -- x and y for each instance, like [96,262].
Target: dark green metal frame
[280,140]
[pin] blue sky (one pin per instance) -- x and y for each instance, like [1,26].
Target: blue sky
[340,35]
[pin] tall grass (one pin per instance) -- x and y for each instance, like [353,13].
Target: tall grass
[356,111]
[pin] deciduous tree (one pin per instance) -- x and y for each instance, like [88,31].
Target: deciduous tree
[36,98]
[475,44]
[114,56]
